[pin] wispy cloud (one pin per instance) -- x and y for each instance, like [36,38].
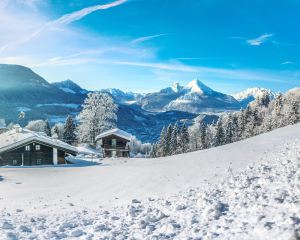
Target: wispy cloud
[174,67]
[64,20]
[147,38]
[260,40]
[199,58]
[29,4]
[217,73]
[75,16]
[287,63]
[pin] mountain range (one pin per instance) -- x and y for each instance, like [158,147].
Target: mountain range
[195,97]
[143,115]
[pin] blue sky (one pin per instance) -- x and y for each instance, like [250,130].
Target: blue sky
[145,45]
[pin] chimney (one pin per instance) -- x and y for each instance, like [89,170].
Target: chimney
[17,128]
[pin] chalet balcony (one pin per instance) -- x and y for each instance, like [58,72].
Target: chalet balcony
[117,147]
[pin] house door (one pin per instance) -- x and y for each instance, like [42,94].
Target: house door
[113,153]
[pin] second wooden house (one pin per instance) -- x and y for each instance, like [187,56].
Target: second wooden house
[115,143]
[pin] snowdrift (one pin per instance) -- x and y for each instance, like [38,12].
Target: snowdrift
[245,190]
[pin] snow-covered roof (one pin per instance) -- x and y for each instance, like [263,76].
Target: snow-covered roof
[15,138]
[116,131]
[85,149]
[2,123]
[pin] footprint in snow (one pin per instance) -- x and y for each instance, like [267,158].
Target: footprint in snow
[77,233]
[7,226]
[11,236]
[135,201]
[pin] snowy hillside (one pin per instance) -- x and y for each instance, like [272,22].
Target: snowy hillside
[250,94]
[246,190]
[69,86]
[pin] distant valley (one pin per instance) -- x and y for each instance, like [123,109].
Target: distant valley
[143,115]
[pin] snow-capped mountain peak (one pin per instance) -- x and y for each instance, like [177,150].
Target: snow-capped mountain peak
[199,87]
[255,92]
[251,94]
[176,87]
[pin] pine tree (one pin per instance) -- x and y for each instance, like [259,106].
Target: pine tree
[203,135]
[58,130]
[235,128]
[228,129]
[251,122]
[293,112]
[153,151]
[47,129]
[168,140]
[162,143]
[219,137]
[174,142]
[69,134]
[55,131]
[241,117]
[266,125]
[277,112]
[184,139]
[265,100]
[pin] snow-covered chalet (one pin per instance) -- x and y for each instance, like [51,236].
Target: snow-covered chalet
[115,143]
[22,147]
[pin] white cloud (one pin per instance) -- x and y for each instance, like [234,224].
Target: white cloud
[64,20]
[147,38]
[75,16]
[260,40]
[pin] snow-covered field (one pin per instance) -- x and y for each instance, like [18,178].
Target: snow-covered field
[245,190]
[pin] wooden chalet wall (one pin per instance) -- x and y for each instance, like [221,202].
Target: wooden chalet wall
[41,156]
[121,146]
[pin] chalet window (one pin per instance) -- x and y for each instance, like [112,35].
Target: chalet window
[27,148]
[114,143]
[15,162]
[38,147]
[39,162]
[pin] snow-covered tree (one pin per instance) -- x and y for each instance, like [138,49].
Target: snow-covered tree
[203,136]
[183,139]
[278,111]
[58,130]
[11,126]
[262,101]
[260,116]
[210,135]
[38,126]
[242,121]
[69,134]
[228,128]
[47,129]
[220,136]
[153,151]
[162,143]
[168,140]
[139,149]
[292,114]
[98,115]
[174,140]
[266,125]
